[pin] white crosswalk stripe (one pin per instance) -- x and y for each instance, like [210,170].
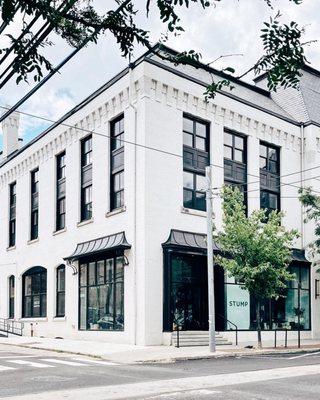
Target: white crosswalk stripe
[64,362]
[99,362]
[4,368]
[51,362]
[30,363]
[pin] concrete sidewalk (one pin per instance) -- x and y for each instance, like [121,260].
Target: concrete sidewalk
[129,354]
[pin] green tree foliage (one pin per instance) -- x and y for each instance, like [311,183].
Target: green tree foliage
[311,202]
[77,20]
[256,250]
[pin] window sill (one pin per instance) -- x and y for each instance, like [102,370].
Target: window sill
[54,233]
[86,222]
[33,241]
[10,248]
[34,319]
[190,211]
[116,211]
[59,319]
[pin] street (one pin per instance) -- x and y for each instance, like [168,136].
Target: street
[40,375]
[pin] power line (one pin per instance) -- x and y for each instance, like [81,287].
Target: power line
[168,152]
[41,35]
[57,68]
[6,23]
[24,31]
[49,76]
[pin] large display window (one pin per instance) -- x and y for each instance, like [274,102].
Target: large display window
[290,312]
[101,294]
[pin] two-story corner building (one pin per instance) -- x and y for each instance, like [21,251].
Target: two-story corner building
[103,215]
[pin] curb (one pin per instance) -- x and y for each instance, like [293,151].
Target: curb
[76,353]
[230,355]
[174,359]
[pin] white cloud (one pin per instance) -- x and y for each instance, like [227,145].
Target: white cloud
[52,105]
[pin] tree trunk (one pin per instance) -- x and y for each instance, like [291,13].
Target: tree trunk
[258,317]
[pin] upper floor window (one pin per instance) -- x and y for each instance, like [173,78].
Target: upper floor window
[12,213]
[86,178]
[11,296]
[34,232]
[269,177]
[34,293]
[235,161]
[61,191]
[61,291]
[117,163]
[195,160]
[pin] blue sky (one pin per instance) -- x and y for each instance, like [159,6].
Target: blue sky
[230,27]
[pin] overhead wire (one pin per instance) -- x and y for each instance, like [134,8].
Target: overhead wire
[166,152]
[39,37]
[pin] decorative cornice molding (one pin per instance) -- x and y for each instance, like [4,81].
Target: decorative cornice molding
[106,112]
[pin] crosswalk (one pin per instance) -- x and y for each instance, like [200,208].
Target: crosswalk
[11,364]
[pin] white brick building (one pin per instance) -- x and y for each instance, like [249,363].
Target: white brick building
[103,239]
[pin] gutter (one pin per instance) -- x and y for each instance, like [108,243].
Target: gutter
[302,226]
[135,302]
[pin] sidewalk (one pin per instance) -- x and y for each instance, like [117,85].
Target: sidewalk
[129,354]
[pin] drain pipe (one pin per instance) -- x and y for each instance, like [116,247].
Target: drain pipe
[302,227]
[133,106]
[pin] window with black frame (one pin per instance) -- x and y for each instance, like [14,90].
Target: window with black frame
[61,291]
[12,213]
[11,296]
[235,161]
[269,177]
[195,160]
[290,311]
[101,294]
[34,293]
[61,191]
[86,178]
[34,233]
[117,163]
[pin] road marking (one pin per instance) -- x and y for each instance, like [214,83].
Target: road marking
[7,357]
[100,362]
[149,388]
[30,363]
[182,395]
[3,368]
[304,355]
[64,362]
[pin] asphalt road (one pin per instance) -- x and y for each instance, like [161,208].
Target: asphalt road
[42,375]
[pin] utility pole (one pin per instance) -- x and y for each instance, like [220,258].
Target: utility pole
[209,196]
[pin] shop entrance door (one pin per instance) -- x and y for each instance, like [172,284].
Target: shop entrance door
[189,293]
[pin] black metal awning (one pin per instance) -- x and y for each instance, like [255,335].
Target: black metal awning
[198,242]
[96,246]
[299,255]
[191,240]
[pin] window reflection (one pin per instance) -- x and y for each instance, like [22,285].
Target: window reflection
[101,295]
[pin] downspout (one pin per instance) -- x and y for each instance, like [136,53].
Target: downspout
[302,227]
[133,106]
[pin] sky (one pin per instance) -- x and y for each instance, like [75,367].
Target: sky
[230,27]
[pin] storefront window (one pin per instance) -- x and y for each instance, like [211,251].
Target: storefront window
[101,294]
[285,313]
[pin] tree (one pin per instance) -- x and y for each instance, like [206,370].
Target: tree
[255,250]
[78,22]
[311,202]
